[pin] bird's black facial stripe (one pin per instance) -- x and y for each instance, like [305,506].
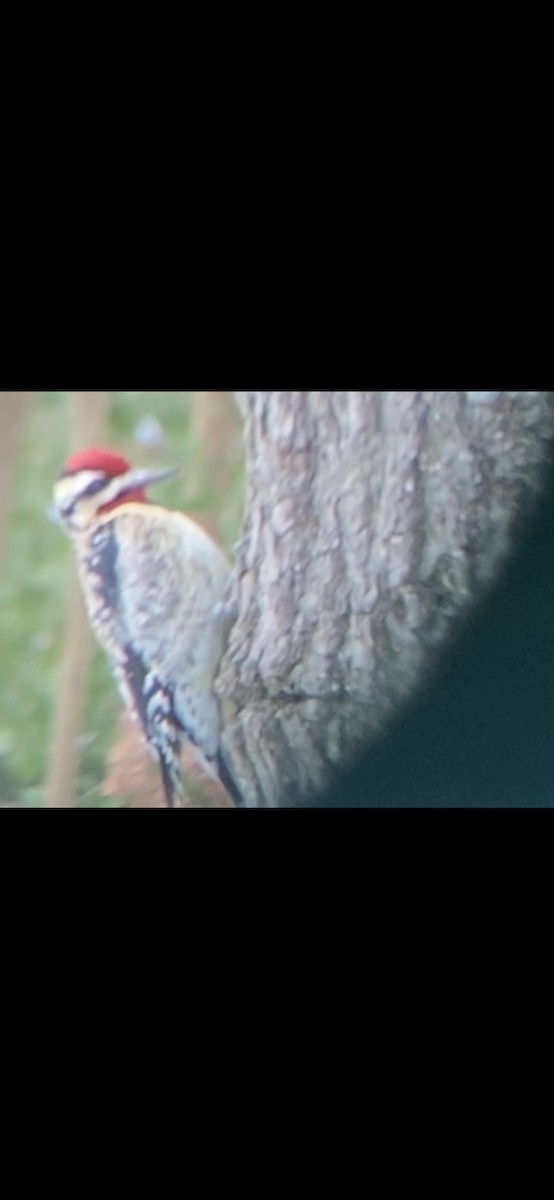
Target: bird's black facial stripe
[94,487]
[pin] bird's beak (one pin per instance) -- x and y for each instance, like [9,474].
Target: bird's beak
[146,478]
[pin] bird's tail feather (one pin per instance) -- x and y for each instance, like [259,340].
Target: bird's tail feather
[172,779]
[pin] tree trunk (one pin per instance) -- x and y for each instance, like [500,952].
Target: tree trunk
[374,520]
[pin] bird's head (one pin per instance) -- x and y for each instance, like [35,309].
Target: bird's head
[95,481]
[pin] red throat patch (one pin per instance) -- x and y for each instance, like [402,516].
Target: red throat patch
[138,496]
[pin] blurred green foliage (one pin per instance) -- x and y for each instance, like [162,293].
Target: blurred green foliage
[150,428]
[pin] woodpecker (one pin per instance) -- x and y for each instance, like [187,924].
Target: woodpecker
[155,586]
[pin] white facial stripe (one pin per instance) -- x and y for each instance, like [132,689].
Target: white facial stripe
[68,489]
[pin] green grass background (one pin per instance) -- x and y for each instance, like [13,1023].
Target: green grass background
[37,574]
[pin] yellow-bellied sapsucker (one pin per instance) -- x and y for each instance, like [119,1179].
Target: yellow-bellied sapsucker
[154,584]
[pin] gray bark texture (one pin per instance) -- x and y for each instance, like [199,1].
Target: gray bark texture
[373,521]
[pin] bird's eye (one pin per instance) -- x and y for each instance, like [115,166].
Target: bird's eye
[93,488]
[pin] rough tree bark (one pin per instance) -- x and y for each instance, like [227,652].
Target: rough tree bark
[373,521]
